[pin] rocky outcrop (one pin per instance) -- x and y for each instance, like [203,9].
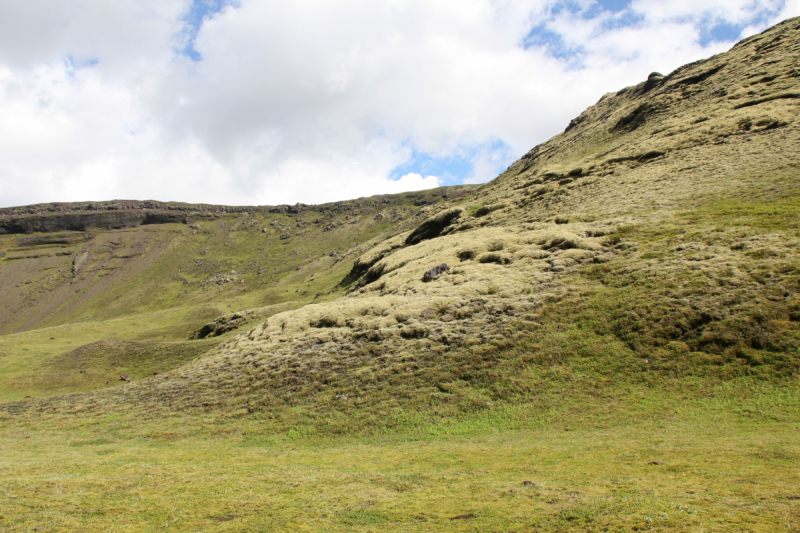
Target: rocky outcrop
[49,223]
[225,323]
[431,228]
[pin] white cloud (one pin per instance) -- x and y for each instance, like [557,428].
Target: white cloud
[791,8]
[124,36]
[731,11]
[308,101]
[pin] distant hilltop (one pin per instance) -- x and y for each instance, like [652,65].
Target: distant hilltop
[118,214]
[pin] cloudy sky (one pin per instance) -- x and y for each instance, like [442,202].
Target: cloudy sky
[265,102]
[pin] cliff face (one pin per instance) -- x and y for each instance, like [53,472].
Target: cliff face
[47,218]
[84,221]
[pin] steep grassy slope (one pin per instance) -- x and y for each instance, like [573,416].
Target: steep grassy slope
[618,324]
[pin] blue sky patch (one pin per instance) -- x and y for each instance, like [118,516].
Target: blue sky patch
[199,12]
[450,169]
[614,5]
[598,7]
[622,19]
[542,37]
[454,169]
[72,64]
[720,32]
[710,29]
[566,5]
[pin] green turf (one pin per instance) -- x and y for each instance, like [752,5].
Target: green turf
[689,458]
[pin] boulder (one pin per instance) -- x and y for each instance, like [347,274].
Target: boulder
[433,273]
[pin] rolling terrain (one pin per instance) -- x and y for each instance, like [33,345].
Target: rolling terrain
[606,337]
[105,271]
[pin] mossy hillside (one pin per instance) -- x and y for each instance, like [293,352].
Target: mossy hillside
[515,259]
[72,276]
[59,278]
[172,279]
[667,303]
[673,297]
[670,144]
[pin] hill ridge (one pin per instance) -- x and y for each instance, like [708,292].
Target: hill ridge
[118,214]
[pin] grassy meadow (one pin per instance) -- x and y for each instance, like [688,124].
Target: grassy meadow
[691,457]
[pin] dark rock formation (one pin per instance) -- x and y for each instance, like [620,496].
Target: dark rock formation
[432,227]
[227,323]
[653,80]
[433,273]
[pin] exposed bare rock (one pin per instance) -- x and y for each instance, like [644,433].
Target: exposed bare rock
[232,321]
[433,273]
[432,227]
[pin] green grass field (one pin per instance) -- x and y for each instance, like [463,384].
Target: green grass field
[692,457]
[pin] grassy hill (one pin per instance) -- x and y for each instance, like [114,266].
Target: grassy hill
[614,344]
[162,282]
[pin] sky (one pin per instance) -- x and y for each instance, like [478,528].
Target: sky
[262,102]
